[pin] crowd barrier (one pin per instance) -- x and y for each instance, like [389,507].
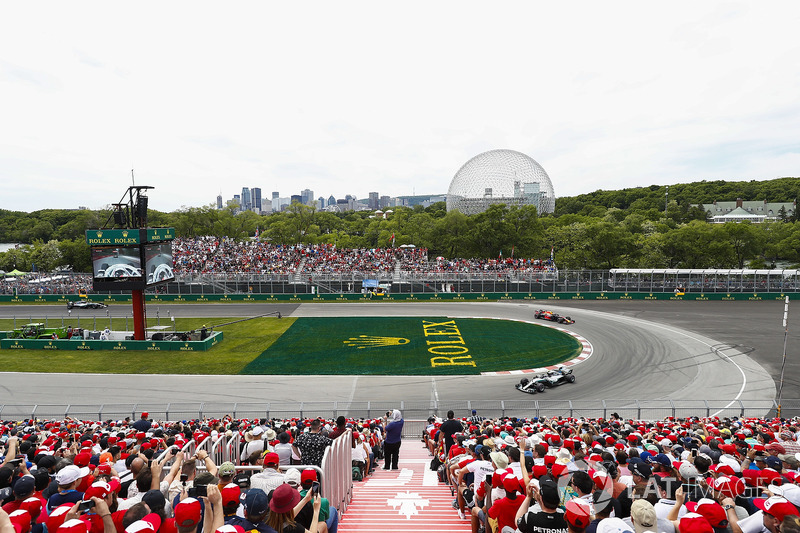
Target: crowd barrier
[335,474]
[414,413]
[403,297]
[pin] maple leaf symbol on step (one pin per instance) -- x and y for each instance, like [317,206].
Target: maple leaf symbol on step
[408,503]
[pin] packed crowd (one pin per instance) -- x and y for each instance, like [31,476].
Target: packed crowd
[212,255]
[572,475]
[491,265]
[72,476]
[46,284]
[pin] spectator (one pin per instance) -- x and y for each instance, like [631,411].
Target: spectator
[311,446]
[391,444]
[270,477]
[256,509]
[449,427]
[286,502]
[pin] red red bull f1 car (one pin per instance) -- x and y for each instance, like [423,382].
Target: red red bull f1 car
[543,314]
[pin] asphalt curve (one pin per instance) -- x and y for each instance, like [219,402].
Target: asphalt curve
[718,351]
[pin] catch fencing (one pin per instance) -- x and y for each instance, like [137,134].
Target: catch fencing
[414,413]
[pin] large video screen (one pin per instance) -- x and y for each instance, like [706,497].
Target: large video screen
[112,263]
[158,262]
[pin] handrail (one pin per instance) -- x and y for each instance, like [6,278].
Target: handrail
[523,407]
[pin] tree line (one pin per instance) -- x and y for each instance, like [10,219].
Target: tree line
[605,229]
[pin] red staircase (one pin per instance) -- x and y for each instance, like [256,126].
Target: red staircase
[408,499]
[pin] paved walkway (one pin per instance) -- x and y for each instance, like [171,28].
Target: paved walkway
[408,499]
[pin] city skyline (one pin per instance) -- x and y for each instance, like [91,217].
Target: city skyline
[603,96]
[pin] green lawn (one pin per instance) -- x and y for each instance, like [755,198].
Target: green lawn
[340,345]
[242,342]
[412,346]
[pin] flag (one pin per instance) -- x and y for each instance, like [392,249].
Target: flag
[393,240]
[256,231]
[551,253]
[512,252]
[501,254]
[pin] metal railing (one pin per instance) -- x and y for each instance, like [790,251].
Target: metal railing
[412,410]
[411,282]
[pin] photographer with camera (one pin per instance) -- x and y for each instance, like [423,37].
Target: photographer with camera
[189,472]
[98,507]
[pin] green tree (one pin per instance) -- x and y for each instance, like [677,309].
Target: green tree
[46,255]
[744,239]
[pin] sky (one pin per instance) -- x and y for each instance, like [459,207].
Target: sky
[201,98]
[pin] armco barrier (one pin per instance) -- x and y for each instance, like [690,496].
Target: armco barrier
[415,413]
[145,346]
[402,297]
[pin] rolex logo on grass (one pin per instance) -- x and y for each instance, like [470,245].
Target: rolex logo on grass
[371,341]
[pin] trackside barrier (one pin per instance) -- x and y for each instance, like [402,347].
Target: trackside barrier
[337,466]
[488,296]
[523,407]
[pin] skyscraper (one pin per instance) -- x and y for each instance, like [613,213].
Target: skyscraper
[247,202]
[257,198]
[373,200]
[321,203]
[307,196]
[296,198]
[331,200]
[219,201]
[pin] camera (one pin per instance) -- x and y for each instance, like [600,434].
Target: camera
[85,505]
[198,491]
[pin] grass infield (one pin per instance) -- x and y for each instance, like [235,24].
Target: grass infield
[412,346]
[345,345]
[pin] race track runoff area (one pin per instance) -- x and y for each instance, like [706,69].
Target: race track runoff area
[412,346]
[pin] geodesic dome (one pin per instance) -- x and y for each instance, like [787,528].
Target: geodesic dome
[500,177]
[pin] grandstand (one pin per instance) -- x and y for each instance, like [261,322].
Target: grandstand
[742,470]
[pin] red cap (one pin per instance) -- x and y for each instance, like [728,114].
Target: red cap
[272,458]
[99,489]
[729,486]
[711,510]
[149,524]
[230,494]
[512,484]
[229,528]
[57,516]
[73,526]
[82,459]
[578,513]
[308,475]
[187,513]
[539,471]
[33,505]
[22,518]
[694,523]
[776,506]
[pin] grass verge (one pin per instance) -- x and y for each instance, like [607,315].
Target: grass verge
[243,342]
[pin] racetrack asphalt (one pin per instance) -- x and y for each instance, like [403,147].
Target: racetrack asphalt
[718,351]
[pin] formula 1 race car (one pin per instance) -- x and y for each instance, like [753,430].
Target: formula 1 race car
[86,304]
[543,381]
[551,316]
